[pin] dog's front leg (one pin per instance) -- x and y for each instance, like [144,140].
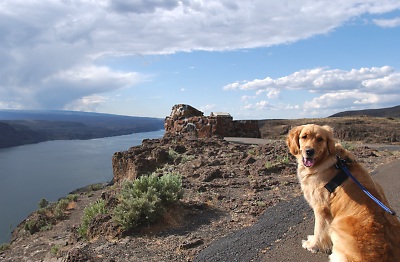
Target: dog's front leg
[321,240]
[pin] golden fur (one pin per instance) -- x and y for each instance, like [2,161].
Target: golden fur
[347,222]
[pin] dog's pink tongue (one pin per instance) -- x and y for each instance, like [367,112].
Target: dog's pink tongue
[308,162]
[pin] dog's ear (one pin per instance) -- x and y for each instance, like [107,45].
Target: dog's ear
[330,140]
[292,140]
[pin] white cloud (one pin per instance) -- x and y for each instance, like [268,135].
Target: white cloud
[394,22]
[90,78]
[249,106]
[68,88]
[388,84]
[167,26]
[351,100]
[43,42]
[261,105]
[274,94]
[337,89]
[232,86]
[331,100]
[246,98]
[86,103]
[321,80]
[10,105]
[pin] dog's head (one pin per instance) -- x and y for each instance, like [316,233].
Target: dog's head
[311,143]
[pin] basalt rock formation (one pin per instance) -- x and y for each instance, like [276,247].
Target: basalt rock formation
[189,121]
[185,121]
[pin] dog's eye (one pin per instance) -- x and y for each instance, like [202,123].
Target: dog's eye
[320,139]
[304,137]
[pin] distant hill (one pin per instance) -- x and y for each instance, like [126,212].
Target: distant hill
[383,112]
[19,127]
[369,126]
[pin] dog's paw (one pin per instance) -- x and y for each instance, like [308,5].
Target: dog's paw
[310,244]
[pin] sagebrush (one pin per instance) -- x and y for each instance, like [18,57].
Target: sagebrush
[144,200]
[48,214]
[91,211]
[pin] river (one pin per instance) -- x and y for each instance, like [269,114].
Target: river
[53,169]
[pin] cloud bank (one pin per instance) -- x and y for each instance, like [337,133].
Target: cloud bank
[50,49]
[333,89]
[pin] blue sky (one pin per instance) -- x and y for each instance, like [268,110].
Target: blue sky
[255,59]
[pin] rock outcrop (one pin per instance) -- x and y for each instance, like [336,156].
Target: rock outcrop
[188,121]
[139,160]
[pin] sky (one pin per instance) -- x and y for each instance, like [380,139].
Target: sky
[255,59]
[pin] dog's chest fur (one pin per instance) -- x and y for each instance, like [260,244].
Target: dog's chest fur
[313,180]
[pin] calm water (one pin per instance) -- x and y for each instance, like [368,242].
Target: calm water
[52,170]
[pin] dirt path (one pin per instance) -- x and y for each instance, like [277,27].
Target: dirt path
[277,235]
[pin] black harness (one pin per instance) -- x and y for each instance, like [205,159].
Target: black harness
[340,177]
[336,181]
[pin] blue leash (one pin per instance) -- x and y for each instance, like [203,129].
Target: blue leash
[343,167]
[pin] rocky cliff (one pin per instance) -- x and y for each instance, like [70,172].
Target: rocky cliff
[184,121]
[187,120]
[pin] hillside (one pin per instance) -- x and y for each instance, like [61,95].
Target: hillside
[367,126]
[19,127]
[353,128]
[14,135]
[393,112]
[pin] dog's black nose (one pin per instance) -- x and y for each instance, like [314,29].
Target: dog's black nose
[310,151]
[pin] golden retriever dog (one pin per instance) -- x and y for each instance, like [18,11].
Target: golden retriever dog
[348,224]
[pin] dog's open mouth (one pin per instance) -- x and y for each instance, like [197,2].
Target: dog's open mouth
[308,162]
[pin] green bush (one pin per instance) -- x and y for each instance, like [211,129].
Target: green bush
[172,154]
[144,200]
[60,208]
[72,197]
[36,224]
[170,188]
[43,203]
[95,187]
[48,214]
[54,250]
[91,211]
[4,247]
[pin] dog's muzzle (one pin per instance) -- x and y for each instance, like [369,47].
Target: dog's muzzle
[309,159]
